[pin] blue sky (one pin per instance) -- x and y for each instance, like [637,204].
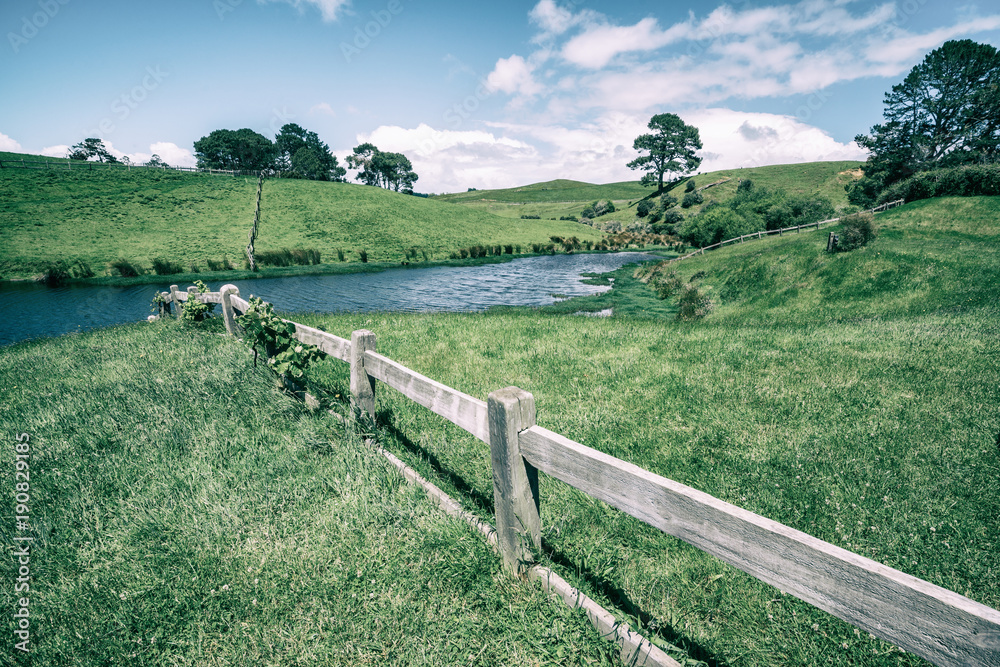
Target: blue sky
[476,94]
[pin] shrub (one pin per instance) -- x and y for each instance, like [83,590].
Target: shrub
[126,268]
[668,285]
[643,208]
[691,199]
[572,218]
[214,265]
[858,230]
[55,274]
[363,254]
[531,217]
[508,250]
[463,253]
[692,304]
[690,186]
[193,310]
[667,201]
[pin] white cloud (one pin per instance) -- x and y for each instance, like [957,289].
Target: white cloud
[168,151]
[329,9]
[8,144]
[738,139]
[598,45]
[59,150]
[512,75]
[322,108]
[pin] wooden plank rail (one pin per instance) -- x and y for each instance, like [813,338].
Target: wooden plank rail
[944,627]
[461,409]
[932,622]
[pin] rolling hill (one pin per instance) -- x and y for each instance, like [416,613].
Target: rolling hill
[101,215]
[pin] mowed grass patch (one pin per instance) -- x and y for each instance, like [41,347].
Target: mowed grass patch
[186,512]
[878,436]
[107,214]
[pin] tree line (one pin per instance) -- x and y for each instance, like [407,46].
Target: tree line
[294,153]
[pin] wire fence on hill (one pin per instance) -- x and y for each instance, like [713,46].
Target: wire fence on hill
[91,166]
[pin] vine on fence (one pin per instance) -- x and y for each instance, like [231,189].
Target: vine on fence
[194,309]
[275,337]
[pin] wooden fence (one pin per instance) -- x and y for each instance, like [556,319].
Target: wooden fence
[937,624]
[780,232]
[89,165]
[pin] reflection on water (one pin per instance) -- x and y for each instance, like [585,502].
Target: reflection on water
[29,310]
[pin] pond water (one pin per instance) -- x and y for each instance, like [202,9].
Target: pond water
[29,310]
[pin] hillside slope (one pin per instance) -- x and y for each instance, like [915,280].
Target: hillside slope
[554,199]
[101,215]
[934,255]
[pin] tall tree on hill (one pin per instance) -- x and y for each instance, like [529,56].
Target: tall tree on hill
[946,112]
[91,148]
[302,154]
[392,171]
[670,147]
[242,150]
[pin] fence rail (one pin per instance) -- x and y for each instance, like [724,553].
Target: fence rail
[937,624]
[770,232]
[89,165]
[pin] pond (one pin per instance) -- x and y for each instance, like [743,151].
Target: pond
[31,310]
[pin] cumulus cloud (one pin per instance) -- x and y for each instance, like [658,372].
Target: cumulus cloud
[168,151]
[513,76]
[8,144]
[59,150]
[330,10]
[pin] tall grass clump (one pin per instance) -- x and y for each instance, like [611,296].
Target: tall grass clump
[693,303]
[164,267]
[857,230]
[127,269]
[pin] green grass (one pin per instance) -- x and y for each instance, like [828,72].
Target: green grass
[102,215]
[186,512]
[859,409]
[554,199]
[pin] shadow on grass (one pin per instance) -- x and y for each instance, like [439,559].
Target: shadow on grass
[618,597]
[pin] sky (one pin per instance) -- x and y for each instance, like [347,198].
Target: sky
[476,94]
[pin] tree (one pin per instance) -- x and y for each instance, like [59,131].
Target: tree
[946,112]
[91,148]
[671,147]
[392,171]
[242,150]
[157,161]
[316,162]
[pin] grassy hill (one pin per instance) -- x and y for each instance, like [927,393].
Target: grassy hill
[101,215]
[554,199]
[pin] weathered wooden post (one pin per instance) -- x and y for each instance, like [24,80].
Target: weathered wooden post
[515,481]
[227,307]
[164,308]
[175,301]
[362,384]
[831,242]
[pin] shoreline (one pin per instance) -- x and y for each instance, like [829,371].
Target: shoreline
[306,270]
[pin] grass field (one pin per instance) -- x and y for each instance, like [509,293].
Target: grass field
[186,512]
[554,199]
[100,216]
[844,410]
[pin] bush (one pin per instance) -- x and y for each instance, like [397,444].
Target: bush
[363,254]
[668,285]
[55,274]
[858,230]
[667,201]
[214,265]
[126,268]
[193,310]
[693,304]
[571,218]
[968,181]
[714,225]
[643,208]
[690,186]
[691,199]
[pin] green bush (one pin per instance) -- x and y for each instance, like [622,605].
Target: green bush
[692,199]
[857,230]
[643,208]
[667,285]
[363,254]
[693,304]
[968,181]
[126,268]
[690,186]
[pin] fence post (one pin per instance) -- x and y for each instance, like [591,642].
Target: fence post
[362,384]
[515,481]
[227,307]
[177,302]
